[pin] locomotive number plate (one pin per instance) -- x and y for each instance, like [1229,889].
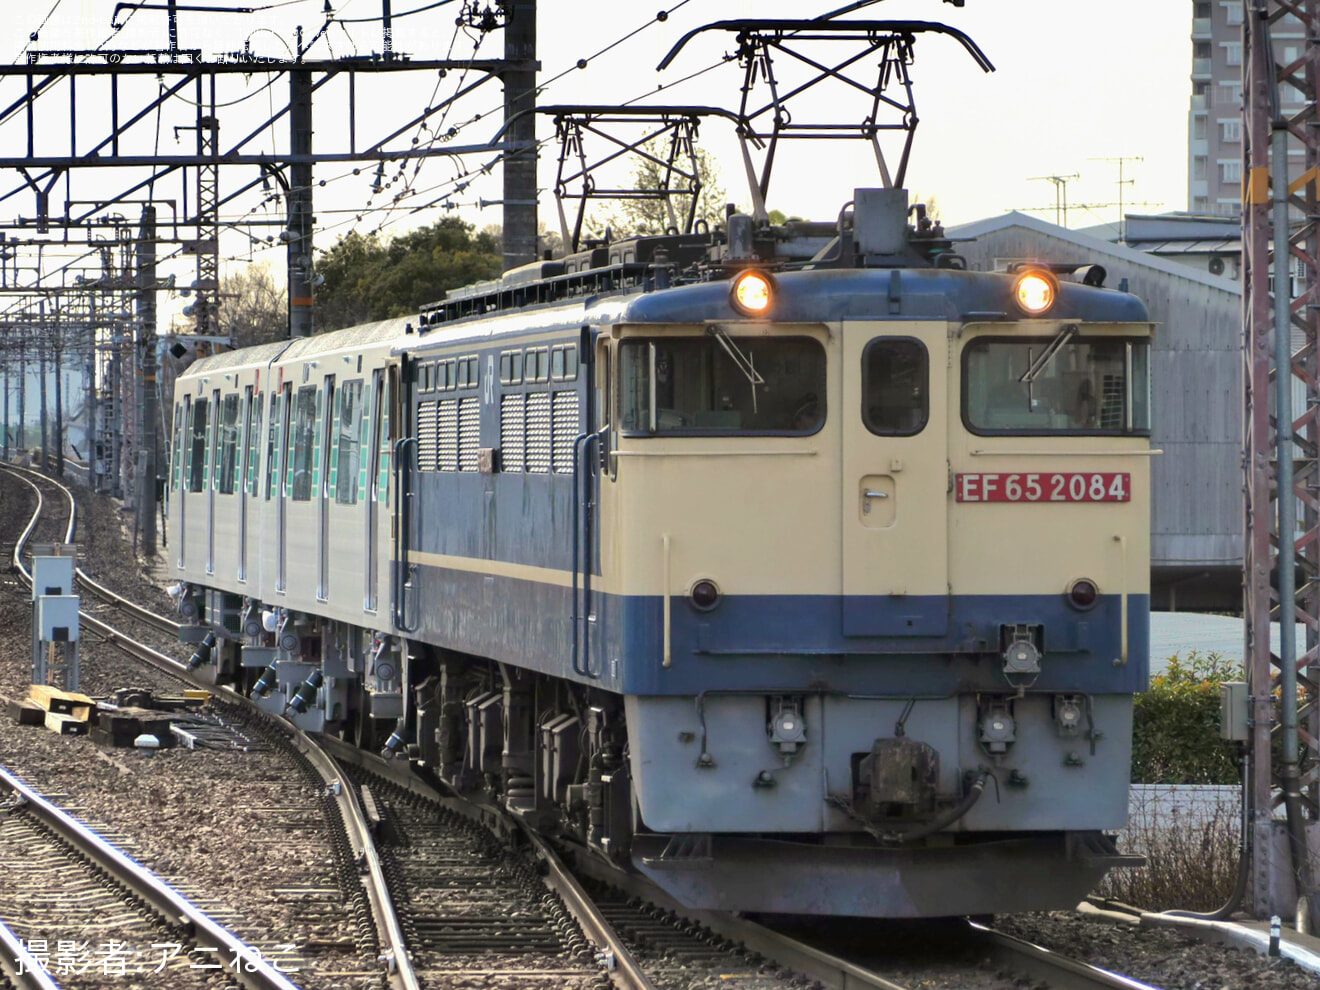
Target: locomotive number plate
[1045,486]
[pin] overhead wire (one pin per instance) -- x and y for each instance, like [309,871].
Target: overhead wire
[403,203]
[579,64]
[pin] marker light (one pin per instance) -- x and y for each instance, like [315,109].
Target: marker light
[705,594]
[1035,292]
[753,293]
[1083,593]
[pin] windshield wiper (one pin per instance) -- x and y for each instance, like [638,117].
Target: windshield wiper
[1046,356]
[741,360]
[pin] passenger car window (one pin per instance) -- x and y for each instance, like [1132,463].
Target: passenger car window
[348,448]
[895,387]
[228,466]
[197,455]
[304,436]
[1064,384]
[717,384]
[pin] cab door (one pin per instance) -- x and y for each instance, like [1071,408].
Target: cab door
[895,479]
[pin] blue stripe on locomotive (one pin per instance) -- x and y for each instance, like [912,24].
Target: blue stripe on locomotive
[780,642]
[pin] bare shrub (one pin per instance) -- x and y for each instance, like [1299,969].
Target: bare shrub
[1191,858]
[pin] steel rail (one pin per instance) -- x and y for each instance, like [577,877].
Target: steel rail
[1058,972]
[395,953]
[21,968]
[240,960]
[623,968]
[153,619]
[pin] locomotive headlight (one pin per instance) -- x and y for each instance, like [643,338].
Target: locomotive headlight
[753,293]
[1035,291]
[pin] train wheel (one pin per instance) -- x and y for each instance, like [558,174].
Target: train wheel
[366,731]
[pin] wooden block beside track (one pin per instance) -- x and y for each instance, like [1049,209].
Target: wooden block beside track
[62,702]
[65,725]
[121,726]
[25,712]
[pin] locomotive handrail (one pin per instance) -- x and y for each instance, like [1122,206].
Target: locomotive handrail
[402,532]
[582,555]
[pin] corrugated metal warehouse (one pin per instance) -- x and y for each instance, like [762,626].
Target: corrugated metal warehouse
[1196,367]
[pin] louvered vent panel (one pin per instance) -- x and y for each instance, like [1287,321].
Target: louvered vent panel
[565,431]
[513,432]
[427,435]
[538,433]
[469,432]
[448,434]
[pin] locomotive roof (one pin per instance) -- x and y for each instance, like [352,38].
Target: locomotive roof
[823,296]
[349,340]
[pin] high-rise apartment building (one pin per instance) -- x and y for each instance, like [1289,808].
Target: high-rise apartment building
[1214,158]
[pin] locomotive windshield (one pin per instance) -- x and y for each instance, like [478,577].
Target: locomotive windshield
[1064,384]
[717,384]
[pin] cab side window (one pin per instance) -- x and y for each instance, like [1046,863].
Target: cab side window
[895,387]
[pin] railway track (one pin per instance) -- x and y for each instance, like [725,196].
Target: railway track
[85,904]
[667,947]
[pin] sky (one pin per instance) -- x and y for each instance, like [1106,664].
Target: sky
[1074,85]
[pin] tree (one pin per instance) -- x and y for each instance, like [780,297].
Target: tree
[253,309]
[369,279]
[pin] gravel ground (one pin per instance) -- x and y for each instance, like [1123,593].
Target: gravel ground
[241,834]
[1158,956]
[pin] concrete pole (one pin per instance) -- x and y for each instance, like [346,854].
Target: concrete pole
[520,163]
[41,362]
[299,234]
[90,404]
[112,412]
[57,345]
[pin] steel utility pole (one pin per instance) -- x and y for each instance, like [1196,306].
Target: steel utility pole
[146,343]
[57,346]
[520,159]
[1281,557]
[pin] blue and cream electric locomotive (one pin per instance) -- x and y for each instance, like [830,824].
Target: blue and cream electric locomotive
[794,567]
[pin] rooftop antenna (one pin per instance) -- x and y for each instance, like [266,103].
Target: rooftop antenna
[1122,232]
[1060,194]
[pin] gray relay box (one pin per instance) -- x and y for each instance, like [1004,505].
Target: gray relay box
[52,576]
[57,617]
[1233,711]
